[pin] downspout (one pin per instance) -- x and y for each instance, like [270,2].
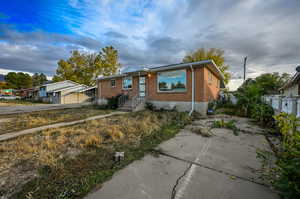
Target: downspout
[193,90]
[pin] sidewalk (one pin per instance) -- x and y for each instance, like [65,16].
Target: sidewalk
[11,135]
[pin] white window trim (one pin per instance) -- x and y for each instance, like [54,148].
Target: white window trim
[112,85]
[157,82]
[130,77]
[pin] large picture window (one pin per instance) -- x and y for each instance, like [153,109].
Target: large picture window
[172,81]
[127,83]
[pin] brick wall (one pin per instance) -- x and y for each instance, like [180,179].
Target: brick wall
[105,90]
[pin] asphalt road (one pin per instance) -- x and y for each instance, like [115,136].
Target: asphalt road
[5,110]
[194,167]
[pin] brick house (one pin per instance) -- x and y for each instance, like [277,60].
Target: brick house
[184,86]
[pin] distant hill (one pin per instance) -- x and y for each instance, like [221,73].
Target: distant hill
[2,78]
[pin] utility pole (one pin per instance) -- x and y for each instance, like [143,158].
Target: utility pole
[245,62]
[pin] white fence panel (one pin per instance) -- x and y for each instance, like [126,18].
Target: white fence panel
[289,105]
[276,103]
[298,107]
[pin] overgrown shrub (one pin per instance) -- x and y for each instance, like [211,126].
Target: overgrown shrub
[247,98]
[289,156]
[149,106]
[262,113]
[113,102]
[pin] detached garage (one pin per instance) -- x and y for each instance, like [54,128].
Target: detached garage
[73,95]
[79,96]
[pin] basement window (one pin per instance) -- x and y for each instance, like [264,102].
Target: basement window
[127,83]
[113,83]
[172,81]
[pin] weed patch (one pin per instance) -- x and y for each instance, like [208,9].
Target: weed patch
[229,125]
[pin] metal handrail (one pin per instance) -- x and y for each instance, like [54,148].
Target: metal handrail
[136,100]
[122,99]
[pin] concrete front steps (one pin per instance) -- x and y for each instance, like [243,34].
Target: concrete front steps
[127,106]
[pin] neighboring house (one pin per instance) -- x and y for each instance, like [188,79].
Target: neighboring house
[66,92]
[29,93]
[292,88]
[184,86]
[46,88]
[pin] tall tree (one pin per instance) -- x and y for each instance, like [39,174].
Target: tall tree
[214,54]
[38,79]
[269,83]
[85,67]
[18,80]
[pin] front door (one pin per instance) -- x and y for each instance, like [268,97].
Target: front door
[142,86]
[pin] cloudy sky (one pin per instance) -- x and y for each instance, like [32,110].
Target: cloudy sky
[35,34]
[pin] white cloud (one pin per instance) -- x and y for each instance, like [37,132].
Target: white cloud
[161,32]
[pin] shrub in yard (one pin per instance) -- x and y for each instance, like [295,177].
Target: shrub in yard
[289,156]
[149,106]
[262,113]
[113,102]
[248,97]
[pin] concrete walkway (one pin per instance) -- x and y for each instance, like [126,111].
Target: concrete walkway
[5,110]
[191,166]
[11,135]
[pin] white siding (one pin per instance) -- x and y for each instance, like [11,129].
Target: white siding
[291,91]
[59,85]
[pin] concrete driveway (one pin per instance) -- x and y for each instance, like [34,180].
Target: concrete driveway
[4,110]
[194,167]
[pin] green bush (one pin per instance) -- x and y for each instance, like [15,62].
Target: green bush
[113,102]
[247,98]
[149,106]
[262,113]
[289,156]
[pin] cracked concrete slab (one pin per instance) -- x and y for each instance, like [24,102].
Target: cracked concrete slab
[148,178]
[221,166]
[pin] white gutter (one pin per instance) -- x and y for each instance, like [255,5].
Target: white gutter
[193,90]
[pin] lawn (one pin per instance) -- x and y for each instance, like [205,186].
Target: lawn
[69,162]
[23,121]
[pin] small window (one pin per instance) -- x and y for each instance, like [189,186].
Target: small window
[113,83]
[127,83]
[172,81]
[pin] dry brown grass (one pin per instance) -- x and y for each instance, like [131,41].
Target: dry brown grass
[30,120]
[17,103]
[50,146]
